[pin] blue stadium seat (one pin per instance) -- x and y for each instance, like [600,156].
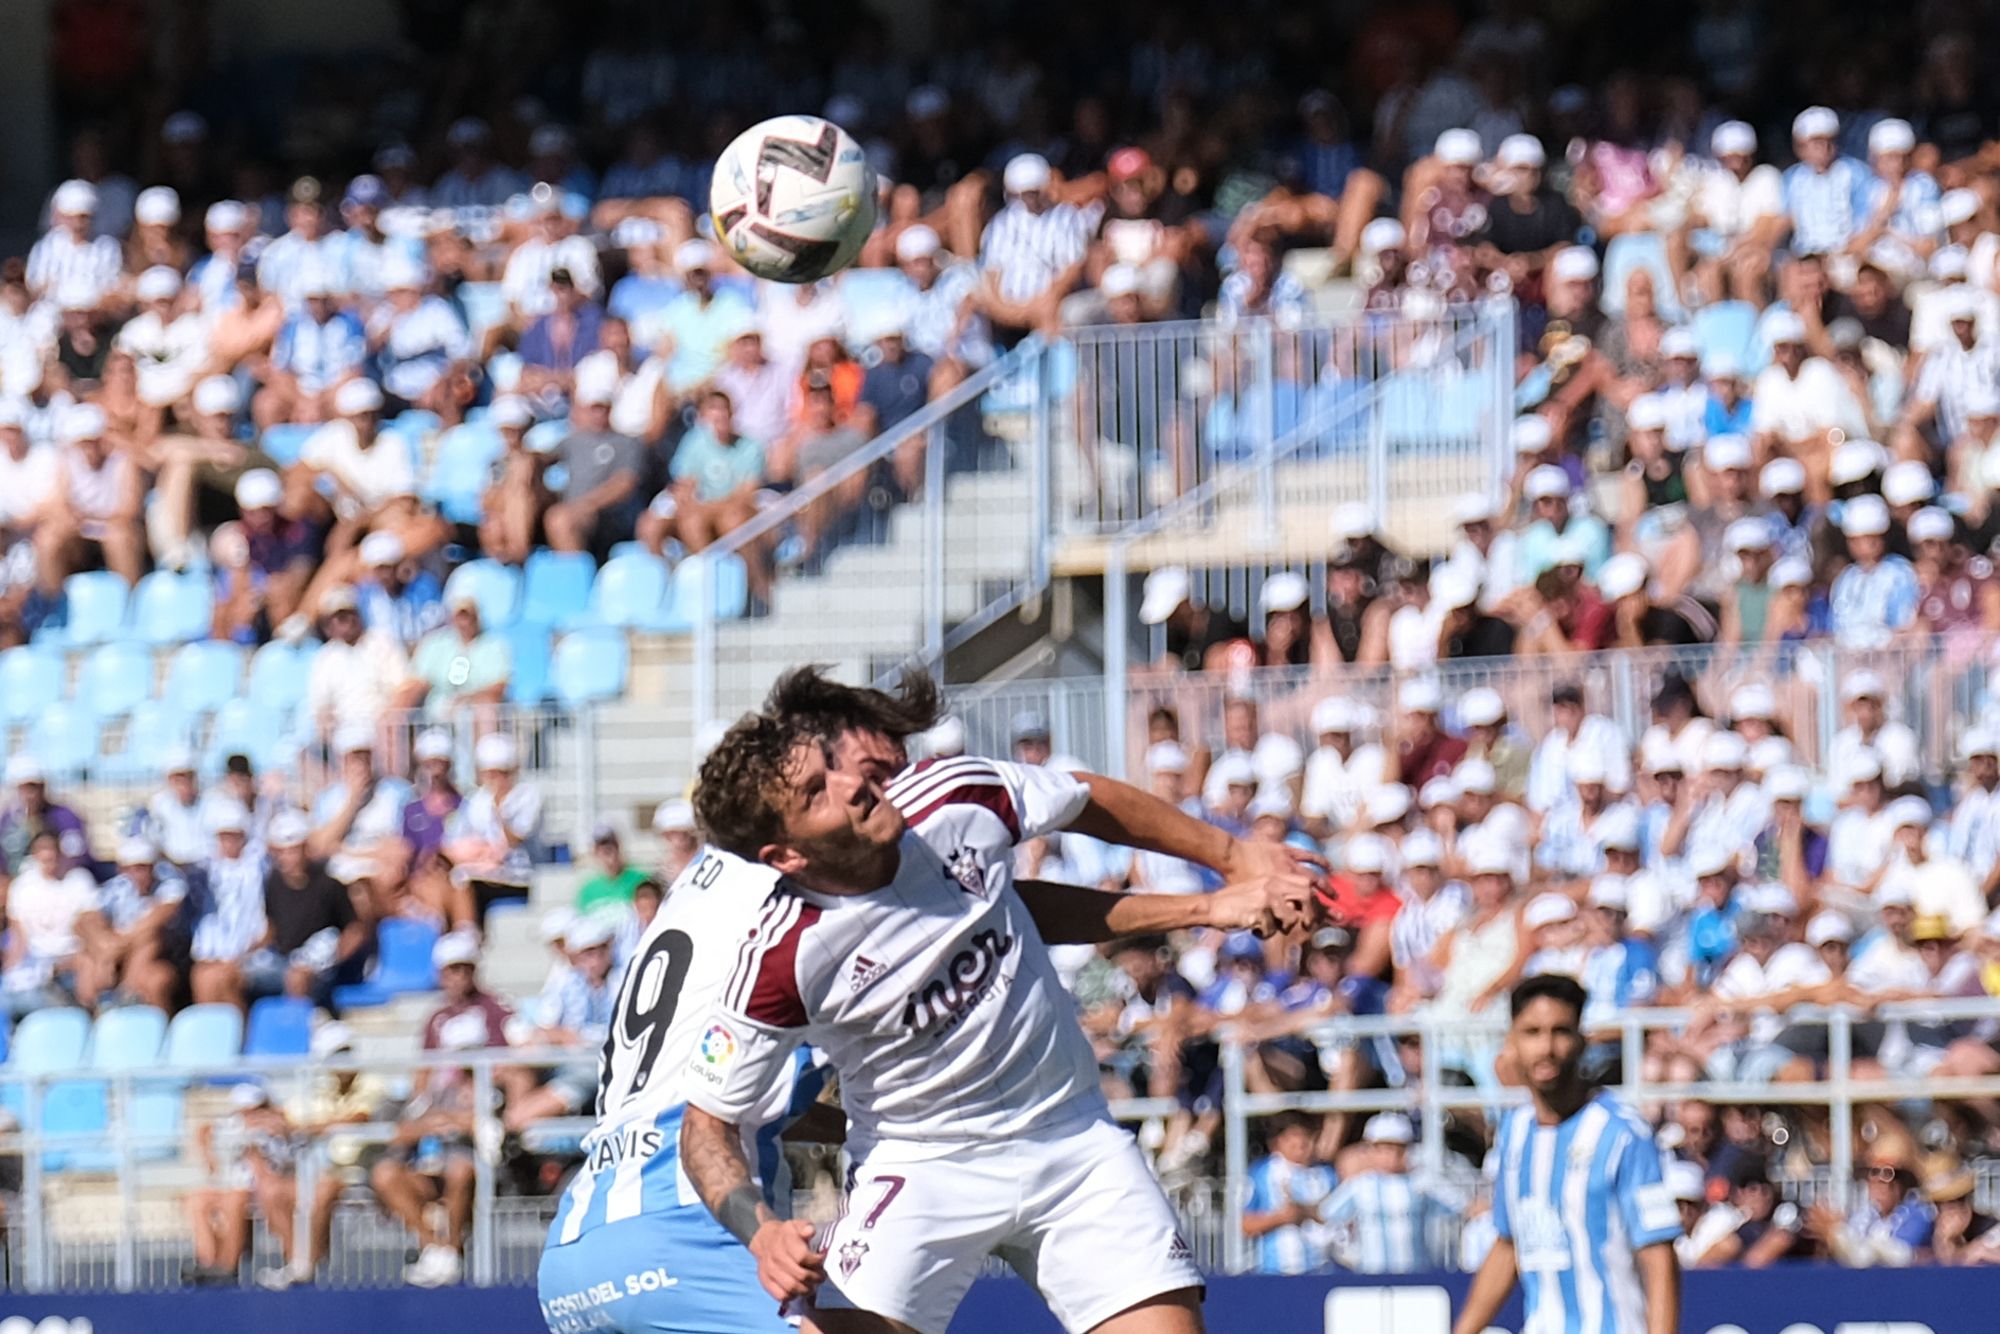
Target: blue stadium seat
[278,673]
[1639,250]
[497,588]
[114,677]
[128,1038]
[208,1035]
[731,586]
[95,608]
[31,679]
[528,683]
[45,1042]
[155,1121]
[590,665]
[171,608]
[202,677]
[63,737]
[77,1107]
[244,728]
[1727,329]
[153,732]
[279,1026]
[630,591]
[402,963]
[283,442]
[627,549]
[459,471]
[556,587]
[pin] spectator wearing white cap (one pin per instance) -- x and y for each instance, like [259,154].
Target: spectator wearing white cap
[1900,206]
[357,822]
[1474,965]
[1490,736]
[1724,810]
[1960,368]
[1433,905]
[553,242]
[54,915]
[1859,838]
[694,328]
[1443,208]
[197,468]
[355,676]
[1032,252]
[69,255]
[1383,1218]
[1570,846]
[1826,194]
[1527,223]
[1973,832]
[305,257]
[1342,767]
[1422,749]
[142,950]
[1574,730]
[320,347]
[492,840]
[600,501]
[1876,596]
[420,343]
[214,278]
[317,926]
[1737,214]
[1746,600]
[1557,522]
[459,668]
[1485,816]
[940,308]
[1799,399]
[425,813]
[575,1010]
[1939,884]
[1484,547]
[1196,636]
[173,814]
[167,339]
[680,837]
[396,594]
[93,520]
[232,960]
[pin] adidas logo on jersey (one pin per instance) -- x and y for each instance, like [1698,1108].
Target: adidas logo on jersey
[866,973]
[1180,1250]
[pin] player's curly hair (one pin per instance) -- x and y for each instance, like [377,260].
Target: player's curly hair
[737,791]
[829,707]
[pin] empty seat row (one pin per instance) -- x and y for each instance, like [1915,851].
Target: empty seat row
[634,590]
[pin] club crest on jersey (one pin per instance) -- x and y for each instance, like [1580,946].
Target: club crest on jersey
[718,1045]
[963,866]
[865,973]
[851,1255]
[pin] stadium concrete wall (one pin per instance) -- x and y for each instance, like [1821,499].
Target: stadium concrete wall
[1801,1299]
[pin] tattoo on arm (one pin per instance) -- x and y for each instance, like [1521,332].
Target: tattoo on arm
[712,1153]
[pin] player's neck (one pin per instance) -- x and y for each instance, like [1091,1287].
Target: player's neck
[1559,1104]
[863,876]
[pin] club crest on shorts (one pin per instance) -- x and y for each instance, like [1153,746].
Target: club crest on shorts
[963,866]
[852,1253]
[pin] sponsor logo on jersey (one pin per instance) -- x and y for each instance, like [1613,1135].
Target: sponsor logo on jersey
[866,973]
[851,1255]
[968,978]
[1179,1249]
[964,867]
[718,1045]
[632,1142]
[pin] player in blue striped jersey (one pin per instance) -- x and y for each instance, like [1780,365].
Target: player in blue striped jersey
[1383,1221]
[1585,1220]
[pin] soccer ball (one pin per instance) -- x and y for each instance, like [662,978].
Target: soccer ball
[793,199]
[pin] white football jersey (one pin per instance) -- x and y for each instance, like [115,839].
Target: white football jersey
[934,996]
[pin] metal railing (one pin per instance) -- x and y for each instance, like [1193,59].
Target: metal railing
[1470,1043]
[1936,687]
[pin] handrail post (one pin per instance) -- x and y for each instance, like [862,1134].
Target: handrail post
[704,644]
[1632,1056]
[1267,438]
[34,1204]
[586,777]
[482,1245]
[1235,1157]
[125,1266]
[935,444]
[1041,468]
[303,1079]
[1840,1073]
[1116,641]
[1431,1072]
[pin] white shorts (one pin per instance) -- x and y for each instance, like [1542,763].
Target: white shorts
[1077,1213]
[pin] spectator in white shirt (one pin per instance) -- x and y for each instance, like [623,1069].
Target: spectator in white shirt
[291,262]
[1484,547]
[1870,731]
[1973,835]
[27,477]
[1033,250]
[1857,846]
[1341,770]
[492,840]
[1940,885]
[1737,214]
[169,349]
[419,340]
[357,672]
[1575,730]
[174,813]
[93,518]
[554,245]
[1949,377]
[68,255]
[52,914]
[373,478]
[358,822]
[1799,399]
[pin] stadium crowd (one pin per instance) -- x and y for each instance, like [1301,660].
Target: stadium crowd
[323,345]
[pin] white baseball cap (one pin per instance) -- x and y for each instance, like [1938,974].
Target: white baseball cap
[1119,279]
[74,198]
[1747,535]
[1233,770]
[81,421]
[357,396]
[1680,342]
[1386,803]
[1815,123]
[379,549]
[589,931]
[1685,1180]
[1752,700]
[1440,791]
[1769,898]
[433,743]
[1521,150]
[1856,459]
[1574,264]
[1610,891]
[695,253]
[1647,412]
[1547,482]
[1532,433]
[1618,830]
[1732,137]
[1791,572]
[1585,764]
[1366,854]
[1949,264]
[673,816]
[227,817]
[456,947]
[1773,752]
[1389,1128]
[1481,706]
[1383,234]
[1724,750]
[1473,507]
[496,750]
[1783,326]
[1788,782]
[1908,482]
[349,738]
[510,410]
[1334,714]
[1352,521]
[1909,813]
[217,394]
[1863,683]
[1931,524]
[137,852]
[158,283]
[1284,591]
[1457,148]
[1782,477]
[1166,589]
[1548,910]
[1979,741]
[1865,516]
[1828,926]
[1420,695]
[1891,136]
[1475,777]
[1862,767]
[1453,586]
[1166,757]
[225,215]
[288,829]
[1422,848]
[1025,172]
[157,206]
[1622,575]
[1956,206]
[1489,856]
[1894,892]
[1726,453]
[917,242]
[946,740]
[1711,859]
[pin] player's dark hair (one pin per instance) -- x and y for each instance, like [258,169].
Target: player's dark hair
[648,886]
[826,707]
[1557,987]
[736,793]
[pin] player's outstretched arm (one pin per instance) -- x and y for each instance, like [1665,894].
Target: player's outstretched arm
[1660,1276]
[1071,915]
[1489,1291]
[1122,814]
[712,1154]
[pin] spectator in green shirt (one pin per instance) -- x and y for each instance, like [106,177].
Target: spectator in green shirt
[458,666]
[614,878]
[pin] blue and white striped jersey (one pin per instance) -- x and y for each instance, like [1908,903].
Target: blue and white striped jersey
[1276,1181]
[1386,1223]
[1579,1200]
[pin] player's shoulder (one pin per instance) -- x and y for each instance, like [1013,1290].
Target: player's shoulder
[1621,1119]
[934,788]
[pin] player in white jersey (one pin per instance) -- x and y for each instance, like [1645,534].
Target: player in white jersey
[904,951]
[631,1248]
[1585,1219]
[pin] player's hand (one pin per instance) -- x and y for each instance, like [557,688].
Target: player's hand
[1268,905]
[787,1265]
[1247,861]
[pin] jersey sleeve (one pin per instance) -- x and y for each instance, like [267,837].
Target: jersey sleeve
[1027,800]
[742,1066]
[1045,800]
[1503,1222]
[1644,1202]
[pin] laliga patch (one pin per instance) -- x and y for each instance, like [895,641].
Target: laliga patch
[718,1045]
